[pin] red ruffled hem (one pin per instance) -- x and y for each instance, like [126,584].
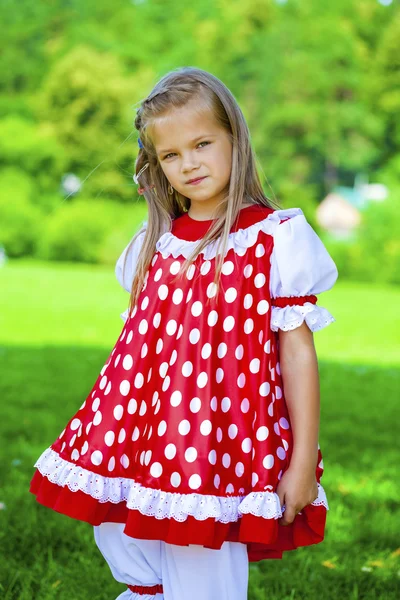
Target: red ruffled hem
[265,538]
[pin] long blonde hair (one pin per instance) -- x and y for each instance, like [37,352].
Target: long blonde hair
[174,90]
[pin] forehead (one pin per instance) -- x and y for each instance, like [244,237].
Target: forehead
[181,125]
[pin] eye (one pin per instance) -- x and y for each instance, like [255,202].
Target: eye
[204,143]
[168,155]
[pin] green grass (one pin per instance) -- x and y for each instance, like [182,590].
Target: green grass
[57,326]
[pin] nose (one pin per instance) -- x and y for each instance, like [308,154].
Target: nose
[189,162]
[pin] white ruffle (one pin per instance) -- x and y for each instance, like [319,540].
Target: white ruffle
[159,504]
[124,315]
[240,240]
[290,317]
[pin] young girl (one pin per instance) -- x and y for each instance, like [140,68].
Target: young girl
[196,450]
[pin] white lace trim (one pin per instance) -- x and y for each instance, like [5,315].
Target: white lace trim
[238,240]
[290,317]
[124,315]
[157,503]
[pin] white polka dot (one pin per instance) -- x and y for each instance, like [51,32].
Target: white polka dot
[226,460]
[227,267]
[232,431]
[284,423]
[278,392]
[75,454]
[72,440]
[173,358]
[197,308]
[111,464]
[124,460]
[142,457]
[271,409]
[88,426]
[206,427]
[189,295]
[132,406]
[172,326]
[285,445]
[219,434]
[195,405]
[217,481]
[138,383]
[109,438]
[229,323]
[175,267]
[255,365]
[96,458]
[157,275]
[278,368]
[162,428]
[75,423]
[280,452]
[129,338]
[248,301]
[225,404]
[260,250]
[245,405]
[259,280]
[162,292]
[264,389]
[135,434]
[262,433]
[144,350]
[187,368]
[262,307]
[202,379]
[206,351]
[156,469]
[194,482]
[166,383]
[123,335]
[97,418]
[194,336]
[248,325]
[267,347]
[247,271]
[239,352]
[180,331]
[230,295]
[211,290]
[239,469]
[157,406]
[191,454]
[254,479]
[175,479]
[118,412]
[247,445]
[143,327]
[276,429]
[147,457]
[191,271]
[222,350]
[176,398]
[121,436]
[268,461]
[177,296]
[103,382]
[95,407]
[214,404]
[84,448]
[205,267]
[241,380]
[219,375]
[212,457]
[145,303]
[170,451]
[108,389]
[116,362]
[124,387]
[184,427]
[212,318]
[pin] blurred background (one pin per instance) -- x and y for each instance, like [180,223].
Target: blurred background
[319,84]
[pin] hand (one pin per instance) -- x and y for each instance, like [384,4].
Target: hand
[296,490]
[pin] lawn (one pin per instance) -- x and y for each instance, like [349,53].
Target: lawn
[57,326]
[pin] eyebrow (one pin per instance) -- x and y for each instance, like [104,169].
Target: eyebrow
[193,141]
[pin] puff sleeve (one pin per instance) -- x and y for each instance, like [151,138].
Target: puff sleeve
[301,268]
[131,252]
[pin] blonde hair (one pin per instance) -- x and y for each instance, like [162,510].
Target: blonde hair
[175,90]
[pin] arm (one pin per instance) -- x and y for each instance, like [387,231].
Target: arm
[299,370]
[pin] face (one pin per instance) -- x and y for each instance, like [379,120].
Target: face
[190,144]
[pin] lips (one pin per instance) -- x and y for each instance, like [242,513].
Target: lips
[196,180]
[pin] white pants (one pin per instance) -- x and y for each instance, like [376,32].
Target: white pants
[185,572]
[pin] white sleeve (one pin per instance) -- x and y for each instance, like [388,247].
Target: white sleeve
[125,275]
[300,266]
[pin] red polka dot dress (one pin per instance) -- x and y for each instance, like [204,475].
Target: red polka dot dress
[185,434]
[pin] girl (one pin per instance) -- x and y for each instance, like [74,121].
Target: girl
[196,450]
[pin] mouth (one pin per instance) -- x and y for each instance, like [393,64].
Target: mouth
[196,181]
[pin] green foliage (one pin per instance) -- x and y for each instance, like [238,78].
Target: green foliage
[20,220]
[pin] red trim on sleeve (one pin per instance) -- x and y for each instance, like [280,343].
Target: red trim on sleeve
[146,589]
[293,300]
